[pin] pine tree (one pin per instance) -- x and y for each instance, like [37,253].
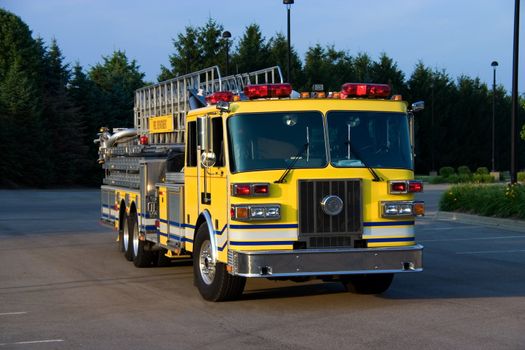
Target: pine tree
[252,51]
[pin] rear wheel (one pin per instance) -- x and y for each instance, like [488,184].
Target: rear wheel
[212,279]
[142,253]
[368,284]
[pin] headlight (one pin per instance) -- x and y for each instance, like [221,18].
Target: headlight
[393,209]
[256,212]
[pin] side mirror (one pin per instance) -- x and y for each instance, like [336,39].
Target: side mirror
[418,106]
[208,159]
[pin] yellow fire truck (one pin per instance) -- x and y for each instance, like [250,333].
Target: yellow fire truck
[254,180]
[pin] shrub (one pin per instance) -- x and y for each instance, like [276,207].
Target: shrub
[437,180]
[453,179]
[500,201]
[521,175]
[482,178]
[446,171]
[464,170]
[482,171]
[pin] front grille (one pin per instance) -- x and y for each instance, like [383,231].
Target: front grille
[319,229]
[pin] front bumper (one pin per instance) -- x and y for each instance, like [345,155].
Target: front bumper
[323,262]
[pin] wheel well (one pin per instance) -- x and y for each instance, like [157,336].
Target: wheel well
[201,220]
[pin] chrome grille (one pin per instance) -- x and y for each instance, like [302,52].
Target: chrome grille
[317,228]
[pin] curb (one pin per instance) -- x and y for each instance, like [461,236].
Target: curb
[507,224]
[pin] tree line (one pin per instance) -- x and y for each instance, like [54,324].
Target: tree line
[50,110]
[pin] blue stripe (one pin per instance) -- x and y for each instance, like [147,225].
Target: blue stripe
[105,206]
[149,227]
[262,243]
[385,240]
[268,226]
[390,223]
[179,238]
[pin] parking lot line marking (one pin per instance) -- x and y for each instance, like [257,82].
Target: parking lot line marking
[493,251]
[33,342]
[13,313]
[469,239]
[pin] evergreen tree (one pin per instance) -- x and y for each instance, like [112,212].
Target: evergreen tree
[187,56]
[278,47]
[23,147]
[386,71]
[62,121]
[252,51]
[116,80]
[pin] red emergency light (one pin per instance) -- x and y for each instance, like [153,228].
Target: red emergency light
[365,90]
[224,96]
[267,91]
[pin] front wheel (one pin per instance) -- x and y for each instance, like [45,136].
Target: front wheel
[211,278]
[368,284]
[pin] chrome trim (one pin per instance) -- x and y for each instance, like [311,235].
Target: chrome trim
[322,262]
[211,232]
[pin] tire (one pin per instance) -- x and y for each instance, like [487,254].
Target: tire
[213,281]
[122,229]
[368,284]
[142,255]
[127,236]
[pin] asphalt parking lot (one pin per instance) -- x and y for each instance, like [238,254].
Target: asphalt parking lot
[64,285]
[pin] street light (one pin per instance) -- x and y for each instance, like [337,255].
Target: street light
[227,35]
[288,4]
[494,64]
[514,117]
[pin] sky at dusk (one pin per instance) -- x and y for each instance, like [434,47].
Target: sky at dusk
[459,36]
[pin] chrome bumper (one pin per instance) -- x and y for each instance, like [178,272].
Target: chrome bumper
[322,262]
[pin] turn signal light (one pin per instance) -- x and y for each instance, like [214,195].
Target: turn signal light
[419,208]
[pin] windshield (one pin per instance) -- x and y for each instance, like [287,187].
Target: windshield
[275,140]
[372,139]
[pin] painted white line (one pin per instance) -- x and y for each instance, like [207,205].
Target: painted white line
[33,342]
[493,252]
[13,313]
[469,239]
[450,228]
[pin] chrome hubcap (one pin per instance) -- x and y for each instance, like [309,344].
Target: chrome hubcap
[136,239]
[206,266]
[125,235]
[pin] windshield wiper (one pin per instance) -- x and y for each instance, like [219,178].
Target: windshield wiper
[290,167]
[362,160]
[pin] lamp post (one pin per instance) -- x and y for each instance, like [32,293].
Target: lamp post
[226,35]
[494,64]
[514,117]
[288,4]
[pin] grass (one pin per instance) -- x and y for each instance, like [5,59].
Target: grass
[505,201]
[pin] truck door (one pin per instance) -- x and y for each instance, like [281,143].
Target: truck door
[213,192]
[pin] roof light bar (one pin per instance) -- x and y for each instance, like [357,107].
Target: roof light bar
[224,96]
[267,91]
[365,90]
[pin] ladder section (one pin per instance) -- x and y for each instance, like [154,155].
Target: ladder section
[160,109]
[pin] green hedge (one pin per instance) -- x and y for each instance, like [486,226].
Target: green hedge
[500,201]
